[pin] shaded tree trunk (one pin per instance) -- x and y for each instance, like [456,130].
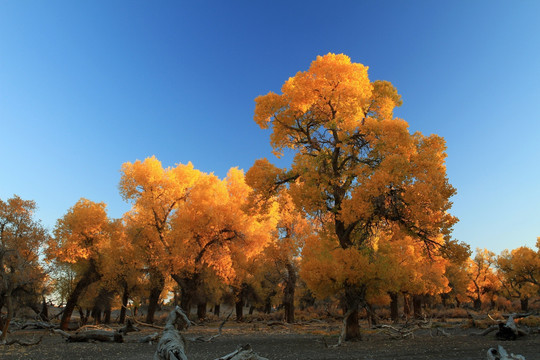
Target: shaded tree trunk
[125,299]
[44,313]
[9,305]
[217,309]
[288,293]
[239,305]
[524,304]
[158,282]
[353,296]
[477,303]
[417,306]
[201,311]
[90,276]
[406,305]
[394,312]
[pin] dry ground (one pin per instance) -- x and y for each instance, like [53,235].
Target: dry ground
[281,342]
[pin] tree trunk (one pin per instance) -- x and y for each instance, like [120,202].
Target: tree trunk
[158,282]
[240,310]
[125,299]
[201,311]
[217,309]
[84,319]
[406,305]
[477,303]
[394,312]
[417,306]
[288,293]
[9,305]
[90,276]
[44,313]
[353,296]
[107,315]
[524,304]
[352,329]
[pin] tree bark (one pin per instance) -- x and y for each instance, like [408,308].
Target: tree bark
[158,282]
[477,303]
[394,312]
[239,305]
[201,310]
[417,306]
[90,276]
[217,309]
[406,305]
[125,299]
[9,305]
[288,293]
[353,296]
[524,304]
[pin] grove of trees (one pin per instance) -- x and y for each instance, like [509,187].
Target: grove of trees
[360,219]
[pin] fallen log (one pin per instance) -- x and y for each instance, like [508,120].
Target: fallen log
[91,335]
[506,331]
[242,353]
[502,354]
[23,343]
[172,345]
[38,325]
[149,338]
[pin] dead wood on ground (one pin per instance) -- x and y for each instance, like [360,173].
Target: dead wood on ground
[91,335]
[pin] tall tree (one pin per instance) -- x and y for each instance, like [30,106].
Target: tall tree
[21,241]
[355,166]
[79,237]
[211,229]
[483,282]
[156,193]
[519,271]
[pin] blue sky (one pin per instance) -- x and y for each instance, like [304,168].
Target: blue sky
[87,86]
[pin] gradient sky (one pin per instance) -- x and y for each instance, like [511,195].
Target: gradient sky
[88,85]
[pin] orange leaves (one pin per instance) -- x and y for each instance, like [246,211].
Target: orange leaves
[80,232]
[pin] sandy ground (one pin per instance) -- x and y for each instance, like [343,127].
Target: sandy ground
[305,341]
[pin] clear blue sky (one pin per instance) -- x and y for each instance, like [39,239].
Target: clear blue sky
[88,85]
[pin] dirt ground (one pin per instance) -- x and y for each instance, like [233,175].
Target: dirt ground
[306,341]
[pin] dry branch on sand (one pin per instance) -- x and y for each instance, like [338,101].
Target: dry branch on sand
[506,331]
[91,335]
[22,343]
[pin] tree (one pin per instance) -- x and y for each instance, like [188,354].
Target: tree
[482,279]
[284,252]
[211,229]
[520,274]
[156,194]
[21,240]
[79,237]
[355,166]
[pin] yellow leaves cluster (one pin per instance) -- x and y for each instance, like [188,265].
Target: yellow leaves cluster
[81,232]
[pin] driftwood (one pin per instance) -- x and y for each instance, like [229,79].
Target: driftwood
[172,345]
[201,339]
[505,331]
[23,343]
[407,330]
[38,325]
[91,335]
[149,338]
[242,353]
[501,354]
